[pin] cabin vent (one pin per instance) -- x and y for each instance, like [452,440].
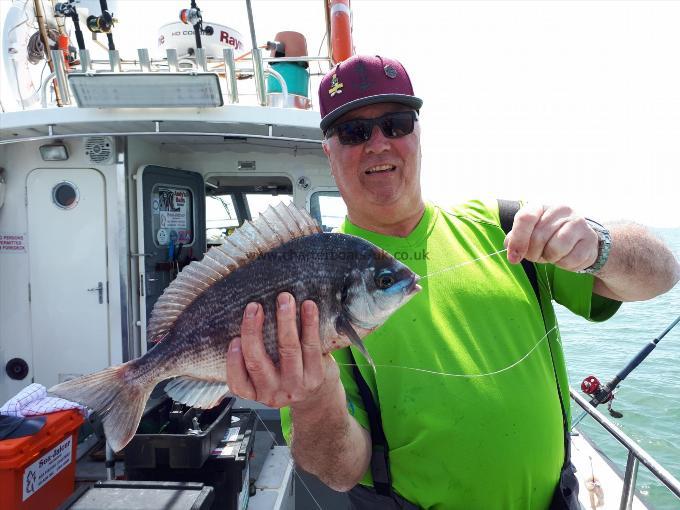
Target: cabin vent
[99,149]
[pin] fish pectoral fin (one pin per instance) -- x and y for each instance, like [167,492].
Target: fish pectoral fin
[194,392]
[343,326]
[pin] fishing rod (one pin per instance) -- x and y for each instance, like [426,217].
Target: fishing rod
[605,393]
[68,9]
[193,17]
[103,24]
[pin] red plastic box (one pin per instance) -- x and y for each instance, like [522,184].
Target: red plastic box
[38,472]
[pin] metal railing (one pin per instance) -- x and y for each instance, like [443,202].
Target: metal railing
[226,65]
[635,455]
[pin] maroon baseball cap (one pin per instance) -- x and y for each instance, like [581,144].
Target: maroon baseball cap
[362,80]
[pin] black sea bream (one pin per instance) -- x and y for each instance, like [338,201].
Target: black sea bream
[356,286]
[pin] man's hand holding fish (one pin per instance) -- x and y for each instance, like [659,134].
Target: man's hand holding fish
[308,381]
[303,368]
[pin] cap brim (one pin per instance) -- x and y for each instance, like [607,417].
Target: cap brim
[411,101]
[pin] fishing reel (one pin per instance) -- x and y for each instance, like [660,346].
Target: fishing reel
[66,9]
[191,16]
[101,24]
[601,394]
[194,17]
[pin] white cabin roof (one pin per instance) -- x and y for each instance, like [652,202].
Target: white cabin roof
[228,120]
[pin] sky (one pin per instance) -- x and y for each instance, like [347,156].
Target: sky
[556,102]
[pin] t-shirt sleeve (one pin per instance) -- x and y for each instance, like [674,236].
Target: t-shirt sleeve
[575,292]
[354,403]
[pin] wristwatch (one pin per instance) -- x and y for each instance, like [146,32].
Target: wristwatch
[603,248]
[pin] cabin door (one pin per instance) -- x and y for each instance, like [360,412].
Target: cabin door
[68,273]
[172,233]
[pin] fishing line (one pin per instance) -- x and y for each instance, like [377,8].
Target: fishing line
[448,374]
[291,463]
[451,268]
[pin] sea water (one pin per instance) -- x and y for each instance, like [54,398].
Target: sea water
[649,397]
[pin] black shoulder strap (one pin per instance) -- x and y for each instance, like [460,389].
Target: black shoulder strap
[380,464]
[506,211]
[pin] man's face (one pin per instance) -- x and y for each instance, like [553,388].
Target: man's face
[380,175]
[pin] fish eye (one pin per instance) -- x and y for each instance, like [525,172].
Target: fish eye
[384,280]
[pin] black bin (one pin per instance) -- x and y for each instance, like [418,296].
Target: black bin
[227,468]
[156,445]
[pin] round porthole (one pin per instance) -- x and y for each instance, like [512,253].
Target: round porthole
[65,195]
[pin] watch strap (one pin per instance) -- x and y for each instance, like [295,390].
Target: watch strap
[603,247]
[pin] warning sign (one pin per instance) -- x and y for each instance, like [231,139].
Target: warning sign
[12,243]
[47,467]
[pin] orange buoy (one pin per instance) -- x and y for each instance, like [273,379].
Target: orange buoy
[341,31]
[62,44]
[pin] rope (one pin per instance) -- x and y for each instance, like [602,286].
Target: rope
[36,49]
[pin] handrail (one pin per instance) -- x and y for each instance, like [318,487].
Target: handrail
[282,82]
[635,454]
[134,63]
[114,64]
[224,135]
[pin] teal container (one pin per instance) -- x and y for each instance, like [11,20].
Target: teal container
[296,77]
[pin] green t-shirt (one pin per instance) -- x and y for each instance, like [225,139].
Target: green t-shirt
[458,438]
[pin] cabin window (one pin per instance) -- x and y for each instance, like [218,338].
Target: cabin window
[259,202]
[227,207]
[328,208]
[172,215]
[65,195]
[220,217]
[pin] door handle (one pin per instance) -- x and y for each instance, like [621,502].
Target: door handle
[100,289]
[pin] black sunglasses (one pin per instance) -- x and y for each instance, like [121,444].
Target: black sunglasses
[357,131]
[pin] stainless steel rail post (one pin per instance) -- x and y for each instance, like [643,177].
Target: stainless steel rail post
[173,63]
[201,60]
[60,75]
[230,74]
[85,60]
[259,77]
[114,61]
[257,59]
[629,481]
[144,62]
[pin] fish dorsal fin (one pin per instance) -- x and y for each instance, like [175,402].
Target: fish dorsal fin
[274,227]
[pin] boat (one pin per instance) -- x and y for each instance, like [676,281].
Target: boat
[118,170]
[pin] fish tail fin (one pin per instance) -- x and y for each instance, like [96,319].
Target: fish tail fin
[118,398]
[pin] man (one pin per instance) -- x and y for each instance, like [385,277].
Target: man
[469,427]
